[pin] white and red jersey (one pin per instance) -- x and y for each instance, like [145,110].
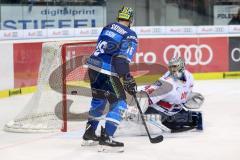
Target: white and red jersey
[171,97]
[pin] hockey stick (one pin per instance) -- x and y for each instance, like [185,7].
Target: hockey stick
[152,140]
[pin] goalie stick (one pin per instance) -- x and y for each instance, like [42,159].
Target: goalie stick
[152,140]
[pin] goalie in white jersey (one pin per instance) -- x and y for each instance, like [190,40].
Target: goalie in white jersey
[172,98]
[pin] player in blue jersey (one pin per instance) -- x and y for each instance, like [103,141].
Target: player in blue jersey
[109,64]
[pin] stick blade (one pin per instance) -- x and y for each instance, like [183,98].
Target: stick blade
[156,139]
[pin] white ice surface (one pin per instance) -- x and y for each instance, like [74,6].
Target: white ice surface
[220,139]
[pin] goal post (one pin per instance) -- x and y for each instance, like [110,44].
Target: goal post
[61,65]
[74,55]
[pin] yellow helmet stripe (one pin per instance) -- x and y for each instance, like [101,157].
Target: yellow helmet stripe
[124,16]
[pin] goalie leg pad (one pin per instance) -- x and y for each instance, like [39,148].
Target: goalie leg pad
[182,121]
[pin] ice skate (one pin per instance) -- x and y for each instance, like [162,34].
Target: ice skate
[90,138]
[107,144]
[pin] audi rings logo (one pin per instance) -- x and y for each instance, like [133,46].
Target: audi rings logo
[193,54]
[235,54]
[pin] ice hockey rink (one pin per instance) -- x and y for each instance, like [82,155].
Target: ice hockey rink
[220,139]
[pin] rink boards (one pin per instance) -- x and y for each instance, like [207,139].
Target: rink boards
[197,76]
[210,52]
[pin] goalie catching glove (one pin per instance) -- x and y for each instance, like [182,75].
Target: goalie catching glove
[129,84]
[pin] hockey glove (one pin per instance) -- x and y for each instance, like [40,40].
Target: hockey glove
[129,84]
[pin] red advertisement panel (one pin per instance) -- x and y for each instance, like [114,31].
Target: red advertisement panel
[200,54]
[220,47]
[27,58]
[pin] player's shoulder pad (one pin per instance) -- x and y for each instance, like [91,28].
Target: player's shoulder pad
[132,36]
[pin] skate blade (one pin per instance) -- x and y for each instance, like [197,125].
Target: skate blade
[108,149]
[89,143]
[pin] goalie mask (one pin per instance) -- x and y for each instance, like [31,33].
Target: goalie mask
[176,67]
[126,14]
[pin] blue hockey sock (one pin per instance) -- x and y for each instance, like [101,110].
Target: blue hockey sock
[110,128]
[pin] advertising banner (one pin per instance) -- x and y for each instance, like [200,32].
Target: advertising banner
[27,57]
[212,29]
[200,54]
[215,54]
[234,53]
[87,32]
[60,32]
[149,30]
[42,17]
[11,34]
[180,30]
[235,29]
[34,33]
[224,13]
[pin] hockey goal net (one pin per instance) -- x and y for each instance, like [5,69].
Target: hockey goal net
[61,71]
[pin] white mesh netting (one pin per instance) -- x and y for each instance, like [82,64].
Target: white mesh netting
[39,113]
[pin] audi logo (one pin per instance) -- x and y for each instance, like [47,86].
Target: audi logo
[187,29]
[234,52]
[193,54]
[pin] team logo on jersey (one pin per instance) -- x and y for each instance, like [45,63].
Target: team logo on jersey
[192,54]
